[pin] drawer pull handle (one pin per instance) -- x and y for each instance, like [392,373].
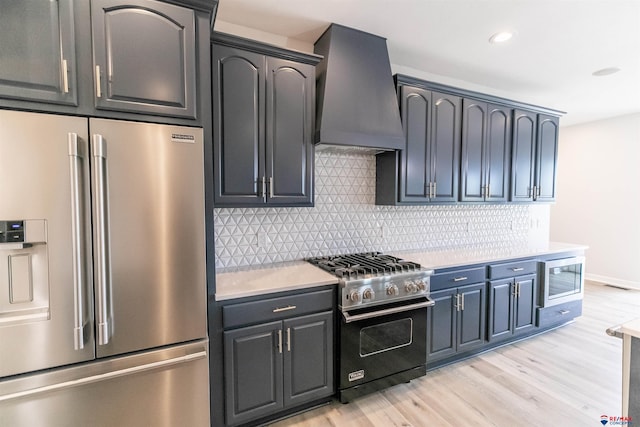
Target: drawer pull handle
[287,308]
[563,312]
[459,279]
[517,269]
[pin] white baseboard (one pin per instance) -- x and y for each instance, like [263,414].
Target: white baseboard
[613,281]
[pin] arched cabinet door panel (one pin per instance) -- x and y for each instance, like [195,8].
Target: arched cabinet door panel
[144,57]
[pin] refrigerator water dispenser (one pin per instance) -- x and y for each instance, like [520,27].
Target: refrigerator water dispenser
[24,272]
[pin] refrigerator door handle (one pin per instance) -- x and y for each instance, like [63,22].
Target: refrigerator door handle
[76,158]
[101,221]
[105,376]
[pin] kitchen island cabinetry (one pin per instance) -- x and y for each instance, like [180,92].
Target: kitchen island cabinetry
[278,354]
[486,152]
[512,299]
[106,58]
[456,323]
[263,115]
[427,170]
[535,157]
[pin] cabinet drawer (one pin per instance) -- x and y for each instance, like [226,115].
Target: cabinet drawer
[557,314]
[276,308]
[512,269]
[457,278]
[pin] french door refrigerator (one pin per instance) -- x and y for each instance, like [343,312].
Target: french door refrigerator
[102,273]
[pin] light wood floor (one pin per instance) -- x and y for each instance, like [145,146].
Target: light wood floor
[566,377]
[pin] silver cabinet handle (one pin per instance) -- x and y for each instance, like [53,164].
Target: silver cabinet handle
[98,84]
[348,318]
[456,304]
[462,302]
[460,279]
[517,269]
[289,339]
[435,187]
[515,290]
[563,312]
[262,183]
[287,308]
[65,76]
[101,224]
[76,160]
[280,341]
[105,376]
[270,187]
[488,191]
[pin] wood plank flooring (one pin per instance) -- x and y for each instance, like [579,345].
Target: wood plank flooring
[566,377]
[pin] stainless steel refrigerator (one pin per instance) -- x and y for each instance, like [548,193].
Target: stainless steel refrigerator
[102,273]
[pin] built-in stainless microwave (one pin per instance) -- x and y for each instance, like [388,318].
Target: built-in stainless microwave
[562,280]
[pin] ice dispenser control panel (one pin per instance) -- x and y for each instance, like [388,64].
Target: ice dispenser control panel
[11,231]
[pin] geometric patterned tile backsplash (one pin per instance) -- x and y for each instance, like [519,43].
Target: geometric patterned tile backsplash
[345,219]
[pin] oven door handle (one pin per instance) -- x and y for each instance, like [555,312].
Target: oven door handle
[348,318]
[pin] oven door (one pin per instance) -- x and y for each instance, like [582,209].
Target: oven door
[381,341]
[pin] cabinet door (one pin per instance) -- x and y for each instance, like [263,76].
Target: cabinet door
[471,317]
[444,164]
[525,303]
[500,309]
[144,57]
[415,109]
[474,133]
[253,372]
[547,158]
[308,358]
[498,153]
[238,123]
[289,131]
[441,325]
[38,51]
[523,156]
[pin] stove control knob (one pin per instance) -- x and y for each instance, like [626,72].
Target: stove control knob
[368,294]
[354,296]
[392,290]
[421,285]
[410,287]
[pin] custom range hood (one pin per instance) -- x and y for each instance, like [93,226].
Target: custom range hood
[356,98]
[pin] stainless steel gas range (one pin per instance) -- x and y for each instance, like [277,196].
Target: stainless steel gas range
[383,302]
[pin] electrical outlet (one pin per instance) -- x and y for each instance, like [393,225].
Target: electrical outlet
[383,231]
[261,240]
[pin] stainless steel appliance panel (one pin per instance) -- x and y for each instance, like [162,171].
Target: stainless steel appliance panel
[149,246]
[45,293]
[163,388]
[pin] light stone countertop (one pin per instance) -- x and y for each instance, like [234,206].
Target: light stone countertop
[296,275]
[462,257]
[631,328]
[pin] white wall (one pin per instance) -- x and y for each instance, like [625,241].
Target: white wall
[599,197]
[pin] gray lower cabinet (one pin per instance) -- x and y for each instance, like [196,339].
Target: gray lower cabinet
[512,300]
[456,323]
[263,116]
[37,50]
[144,57]
[272,366]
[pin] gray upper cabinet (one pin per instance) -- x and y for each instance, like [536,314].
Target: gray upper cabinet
[486,150]
[37,50]
[263,112]
[144,57]
[428,168]
[535,155]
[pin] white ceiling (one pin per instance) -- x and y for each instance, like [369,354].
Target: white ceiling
[558,44]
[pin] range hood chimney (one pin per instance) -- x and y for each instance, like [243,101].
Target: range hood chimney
[357,104]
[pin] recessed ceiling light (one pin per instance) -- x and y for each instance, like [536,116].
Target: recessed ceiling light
[606,71]
[501,37]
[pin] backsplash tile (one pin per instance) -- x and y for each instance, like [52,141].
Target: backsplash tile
[345,219]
